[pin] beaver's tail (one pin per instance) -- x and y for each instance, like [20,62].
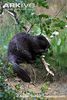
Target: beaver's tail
[21,73]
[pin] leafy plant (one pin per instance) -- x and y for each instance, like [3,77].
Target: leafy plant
[41,24]
[44,87]
[5,90]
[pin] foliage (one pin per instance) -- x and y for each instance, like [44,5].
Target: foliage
[41,24]
[44,87]
[17,86]
[5,90]
[60,49]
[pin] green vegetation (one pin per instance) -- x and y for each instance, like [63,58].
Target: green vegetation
[40,24]
[44,88]
[6,92]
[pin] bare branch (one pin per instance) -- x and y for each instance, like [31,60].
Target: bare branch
[14,15]
[46,66]
[30,28]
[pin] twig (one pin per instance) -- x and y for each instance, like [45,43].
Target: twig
[30,28]
[14,15]
[46,66]
[59,11]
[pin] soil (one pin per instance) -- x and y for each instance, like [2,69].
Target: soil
[57,87]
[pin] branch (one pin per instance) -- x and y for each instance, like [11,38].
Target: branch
[46,66]
[60,11]
[13,14]
[30,28]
